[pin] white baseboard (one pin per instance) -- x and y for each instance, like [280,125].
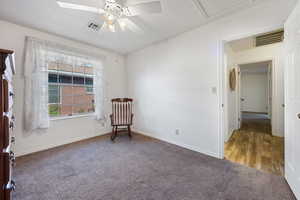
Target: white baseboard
[292,184]
[186,146]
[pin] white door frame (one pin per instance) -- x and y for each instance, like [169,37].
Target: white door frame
[238,98]
[222,78]
[270,90]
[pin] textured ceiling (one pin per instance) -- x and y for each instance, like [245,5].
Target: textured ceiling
[178,16]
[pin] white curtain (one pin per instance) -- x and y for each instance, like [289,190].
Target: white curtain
[38,54]
[99,90]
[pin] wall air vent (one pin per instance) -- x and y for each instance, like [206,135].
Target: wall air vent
[270,38]
[93,26]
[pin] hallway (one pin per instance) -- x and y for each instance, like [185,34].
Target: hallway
[254,146]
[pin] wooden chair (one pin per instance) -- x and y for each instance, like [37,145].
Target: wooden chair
[121,116]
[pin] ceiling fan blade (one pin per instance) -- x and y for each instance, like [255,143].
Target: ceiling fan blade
[130,25]
[80,7]
[144,8]
[122,24]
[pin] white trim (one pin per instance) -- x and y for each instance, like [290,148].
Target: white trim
[72,117]
[223,100]
[77,74]
[223,113]
[186,146]
[238,98]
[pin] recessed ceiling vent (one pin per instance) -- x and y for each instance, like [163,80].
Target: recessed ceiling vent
[93,26]
[270,38]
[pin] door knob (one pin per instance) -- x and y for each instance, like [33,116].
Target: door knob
[298,115]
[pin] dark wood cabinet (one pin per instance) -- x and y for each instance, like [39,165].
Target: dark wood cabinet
[7,120]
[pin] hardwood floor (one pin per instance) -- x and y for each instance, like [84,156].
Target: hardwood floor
[254,146]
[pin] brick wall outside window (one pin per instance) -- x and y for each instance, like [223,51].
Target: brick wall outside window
[70,90]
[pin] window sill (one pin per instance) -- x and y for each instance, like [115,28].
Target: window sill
[72,117]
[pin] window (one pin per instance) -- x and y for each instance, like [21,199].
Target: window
[70,89]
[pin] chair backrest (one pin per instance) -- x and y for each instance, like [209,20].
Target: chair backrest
[122,111]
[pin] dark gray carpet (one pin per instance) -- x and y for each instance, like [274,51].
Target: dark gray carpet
[140,169]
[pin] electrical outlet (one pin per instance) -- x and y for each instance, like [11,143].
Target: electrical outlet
[177,131]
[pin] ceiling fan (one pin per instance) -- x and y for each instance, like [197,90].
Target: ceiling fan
[115,13]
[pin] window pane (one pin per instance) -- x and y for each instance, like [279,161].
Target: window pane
[53,94]
[91,108]
[54,110]
[65,79]
[78,80]
[84,99]
[65,68]
[89,70]
[89,81]
[83,109]
[80,99]
[66,90]
[78,90]
[67,97]
[80,109]
[52,66]
[71,90]
[66,110]
[52,78]
[79,69]
[89,90]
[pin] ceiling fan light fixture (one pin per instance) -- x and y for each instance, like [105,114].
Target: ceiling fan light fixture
[112,28]
[122,24]
[110,17]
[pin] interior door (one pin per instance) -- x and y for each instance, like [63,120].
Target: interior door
[292,99]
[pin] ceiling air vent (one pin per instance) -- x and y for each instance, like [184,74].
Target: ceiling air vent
[93,26]
[270,38]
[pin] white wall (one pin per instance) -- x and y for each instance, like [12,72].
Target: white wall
[175,83]
[243,44]
[254,91]
[60,131]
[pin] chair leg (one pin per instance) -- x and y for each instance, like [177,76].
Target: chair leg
[114,133]
[129,132]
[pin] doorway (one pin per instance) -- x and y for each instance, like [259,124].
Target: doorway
[255,95]
[254,106]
